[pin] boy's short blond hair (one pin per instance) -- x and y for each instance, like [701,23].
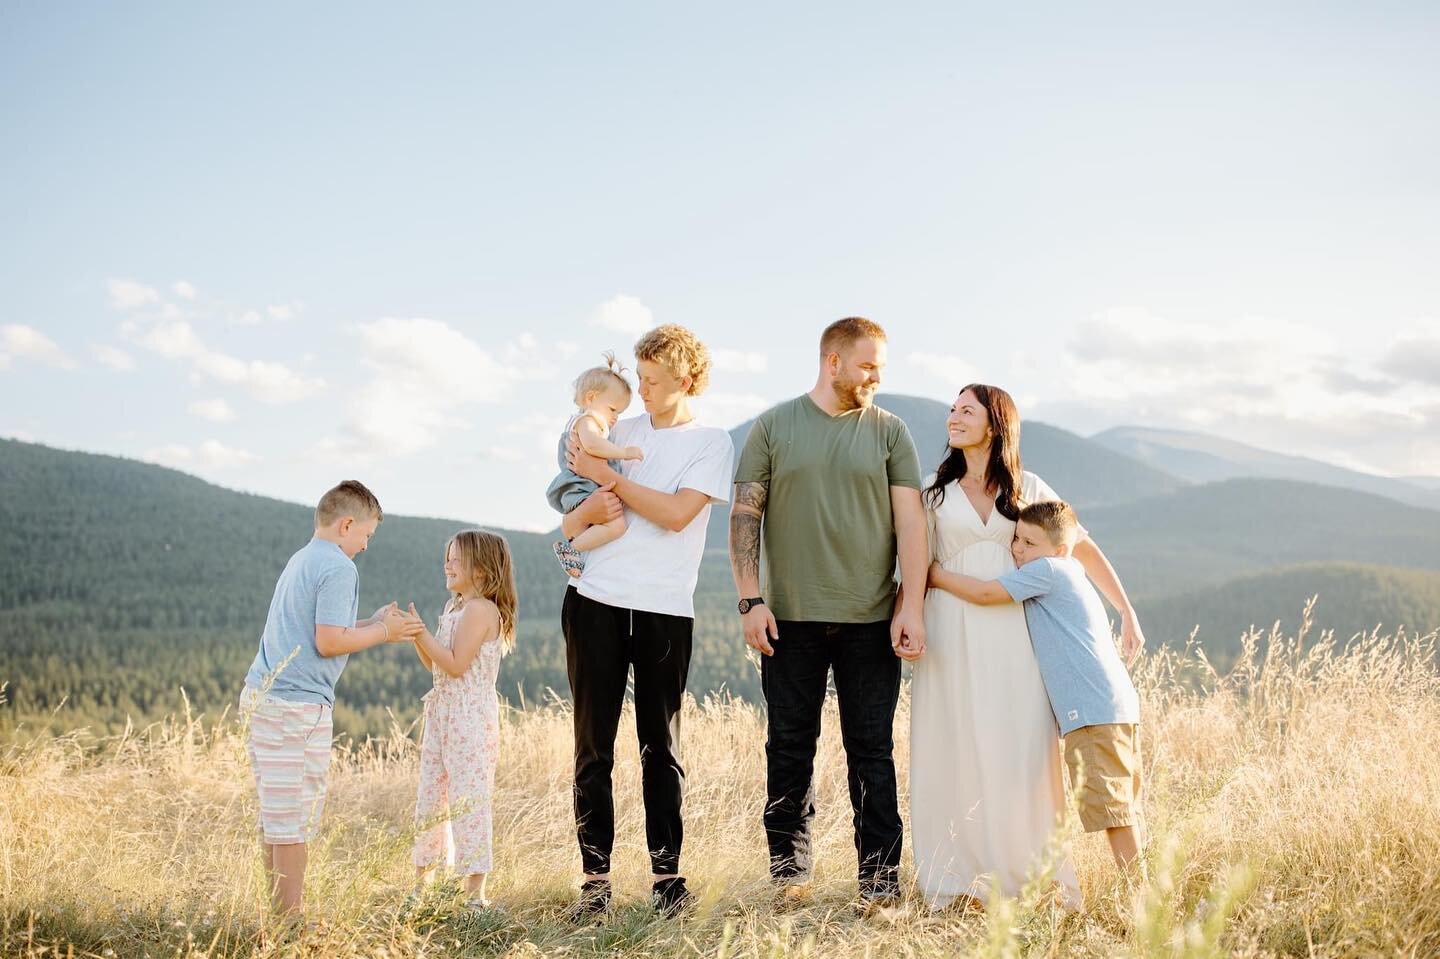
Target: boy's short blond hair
[1056,517]
[598,379]
[350,498]
[679,351]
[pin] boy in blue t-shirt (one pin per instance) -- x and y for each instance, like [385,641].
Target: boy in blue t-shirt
[290,689]
[1091,695]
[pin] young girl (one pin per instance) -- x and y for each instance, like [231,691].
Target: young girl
[601,395]
[462,713]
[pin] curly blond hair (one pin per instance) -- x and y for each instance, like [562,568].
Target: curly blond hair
[679,351]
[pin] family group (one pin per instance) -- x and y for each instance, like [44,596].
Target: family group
[1016,675]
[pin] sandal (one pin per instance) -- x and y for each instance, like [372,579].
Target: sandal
[571,559]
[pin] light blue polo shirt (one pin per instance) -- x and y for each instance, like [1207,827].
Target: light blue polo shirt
[319,587]
[1084,677]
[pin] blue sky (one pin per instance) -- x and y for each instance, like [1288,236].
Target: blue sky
[275,245]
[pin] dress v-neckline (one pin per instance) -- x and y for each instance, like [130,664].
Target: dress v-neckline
[984,520]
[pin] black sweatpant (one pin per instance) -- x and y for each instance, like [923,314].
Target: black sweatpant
[601,644]
[867,682]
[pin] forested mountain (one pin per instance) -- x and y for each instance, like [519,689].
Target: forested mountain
[1352,598]
[121,582]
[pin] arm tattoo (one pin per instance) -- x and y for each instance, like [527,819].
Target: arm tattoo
[745,544]
[745,528]
[752,495]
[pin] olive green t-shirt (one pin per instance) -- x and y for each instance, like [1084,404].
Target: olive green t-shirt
[828,534]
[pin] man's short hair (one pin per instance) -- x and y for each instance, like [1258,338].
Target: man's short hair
[1056,517]
[350,498]
[679,351]
[842,333]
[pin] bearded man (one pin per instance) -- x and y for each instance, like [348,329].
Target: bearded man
[830,484]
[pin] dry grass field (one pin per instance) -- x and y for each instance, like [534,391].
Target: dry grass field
[1294,804]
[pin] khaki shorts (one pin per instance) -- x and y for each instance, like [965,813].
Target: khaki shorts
[289,747]
[1104,764]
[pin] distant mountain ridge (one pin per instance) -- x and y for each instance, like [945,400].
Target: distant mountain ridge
[1201,458]
[121,582]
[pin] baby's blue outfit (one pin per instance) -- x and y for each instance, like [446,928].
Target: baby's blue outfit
[567,490]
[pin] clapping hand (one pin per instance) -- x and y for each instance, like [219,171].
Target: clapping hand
[417,628]
[395,622]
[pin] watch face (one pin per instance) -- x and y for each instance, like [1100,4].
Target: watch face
[744,606]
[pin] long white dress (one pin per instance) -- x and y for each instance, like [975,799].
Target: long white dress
[985,784]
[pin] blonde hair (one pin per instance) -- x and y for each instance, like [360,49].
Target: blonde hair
[679,351]
[485,560]
[350,498]
[598,379]
[1056,517]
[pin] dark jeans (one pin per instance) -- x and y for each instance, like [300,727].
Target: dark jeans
[601,644]
[867,679]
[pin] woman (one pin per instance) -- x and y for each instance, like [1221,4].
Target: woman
[985,785]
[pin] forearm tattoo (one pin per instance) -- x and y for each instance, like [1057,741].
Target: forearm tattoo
[745,529]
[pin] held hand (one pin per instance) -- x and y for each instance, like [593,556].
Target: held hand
[907,634]
[760,629]
[1132,640]
[933,578]
[414,626]
[395,622]
[380,613]
[634,453]
[601,506]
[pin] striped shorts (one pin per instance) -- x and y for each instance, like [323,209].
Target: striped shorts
[289,747]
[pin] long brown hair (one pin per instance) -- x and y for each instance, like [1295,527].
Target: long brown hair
[485,558]
[1003,470]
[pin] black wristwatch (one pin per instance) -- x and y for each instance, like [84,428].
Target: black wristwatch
[745,605]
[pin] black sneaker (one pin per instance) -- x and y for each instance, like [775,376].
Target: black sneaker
[876,894]
[670,897]
[594,900]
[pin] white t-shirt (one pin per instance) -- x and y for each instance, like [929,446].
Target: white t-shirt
[651,568]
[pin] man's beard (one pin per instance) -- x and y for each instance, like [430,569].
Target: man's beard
[851,395]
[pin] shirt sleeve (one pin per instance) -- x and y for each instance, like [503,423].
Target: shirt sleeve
[335,596]
[902,466]
[754,465]
[1041,492]
[1029,581]
[710,471]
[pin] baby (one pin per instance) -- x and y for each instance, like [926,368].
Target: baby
[601,395]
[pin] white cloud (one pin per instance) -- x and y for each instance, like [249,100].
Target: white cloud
[530,359]
[1268,382]
[739,361]
[267,381]
[215,410]
[184,290]
[211,454]
[130,294]
[625,314]
[19,340]
[113,357]
[422,373]
[951,370]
